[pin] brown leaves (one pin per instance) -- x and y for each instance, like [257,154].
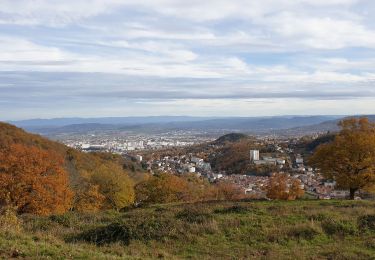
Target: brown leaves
[161,188]
[33,180]
[350,158]
[283,187]
[164,188]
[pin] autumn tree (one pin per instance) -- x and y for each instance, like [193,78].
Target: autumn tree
[196,188]
[161,188]
[228,191]
[89,199]
[350,158]
[33,180]
[295,190]
[283,187]
[115,185]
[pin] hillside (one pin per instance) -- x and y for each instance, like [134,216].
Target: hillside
[10,134]
[326,126]
[232,137]
[216,230]
[76,163]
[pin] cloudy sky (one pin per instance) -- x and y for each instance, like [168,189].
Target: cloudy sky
[95,58]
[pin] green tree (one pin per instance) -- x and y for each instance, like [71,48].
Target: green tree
[350,158]
[115,185]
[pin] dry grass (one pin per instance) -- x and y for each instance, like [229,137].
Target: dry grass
[215,230]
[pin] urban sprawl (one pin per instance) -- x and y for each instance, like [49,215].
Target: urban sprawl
[286,160]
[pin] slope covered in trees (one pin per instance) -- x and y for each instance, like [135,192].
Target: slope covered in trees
[43,177]
[33,180]
[232,137]
[38,174]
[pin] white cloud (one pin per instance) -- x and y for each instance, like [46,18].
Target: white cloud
[215,48]
[321,32]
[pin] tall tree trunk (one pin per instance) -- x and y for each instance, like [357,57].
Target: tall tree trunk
[352,193]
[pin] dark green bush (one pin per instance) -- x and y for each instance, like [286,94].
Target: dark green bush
[318,217]
[64,220]
[38,224]
[194,215]
[236,209]
[305,232]
[366,222]
[104,235]
[370,243]
[338,227]
[143,229]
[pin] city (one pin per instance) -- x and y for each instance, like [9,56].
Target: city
[140,148]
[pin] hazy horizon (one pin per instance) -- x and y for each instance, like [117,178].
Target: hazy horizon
[177,116]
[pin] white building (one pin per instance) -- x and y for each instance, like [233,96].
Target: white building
[191,169]
[263,162]
[299,160]
[254,155]
[280,161]
[196,160]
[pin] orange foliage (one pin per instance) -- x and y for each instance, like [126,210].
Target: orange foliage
[89,199]
[164,188]
[161,188]
[228,191]
[33,180]
[282,187]
[81,167]
[350,158]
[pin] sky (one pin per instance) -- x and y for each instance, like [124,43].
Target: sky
[96,58]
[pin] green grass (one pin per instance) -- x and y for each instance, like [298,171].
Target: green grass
[213,230]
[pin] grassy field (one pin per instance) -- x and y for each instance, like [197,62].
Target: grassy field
[216,230]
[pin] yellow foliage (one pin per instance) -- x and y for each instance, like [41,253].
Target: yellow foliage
[89,199]
[350,158]
[9,222]
[115,185]
[162,188]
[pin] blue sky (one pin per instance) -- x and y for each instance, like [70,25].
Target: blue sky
[203,58]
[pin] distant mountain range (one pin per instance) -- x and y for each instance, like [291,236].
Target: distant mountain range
[59,122]
[280,125]
[326,126]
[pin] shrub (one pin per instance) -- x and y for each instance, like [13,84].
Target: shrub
[115,185]
[338,227]
[109,234]
[307,232]
[161,188]
[143,229]
[88,198]
[194,215]
[64,220]
[318,217]
[283,187]
[237,209]
[9,222]
[229,191]
[33,180]
[367,222]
